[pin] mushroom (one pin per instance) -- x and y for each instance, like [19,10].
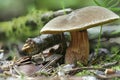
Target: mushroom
[77,23]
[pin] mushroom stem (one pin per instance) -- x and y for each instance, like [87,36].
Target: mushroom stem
[78,49]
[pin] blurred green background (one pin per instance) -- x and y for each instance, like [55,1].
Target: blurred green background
[16,16]
[15,8]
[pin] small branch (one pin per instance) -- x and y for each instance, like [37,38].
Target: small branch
[103,76]
[75,70]
[50,15]
[110,64]
[102,68]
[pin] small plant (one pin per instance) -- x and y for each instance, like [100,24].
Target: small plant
[110,4]
[83,73]
[99,38]
[23,27]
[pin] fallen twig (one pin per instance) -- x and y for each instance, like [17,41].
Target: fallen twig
[52,59]
[102,68]
[110,64]
[50,15]
[103,76]
[75,70]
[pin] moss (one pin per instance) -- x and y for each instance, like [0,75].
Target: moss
[23,27]
[84,73]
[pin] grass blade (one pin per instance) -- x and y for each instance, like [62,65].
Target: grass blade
[109,3]
[63,6]
[115,4]
[117,9]
[96,2]
[99,38]
[106,1]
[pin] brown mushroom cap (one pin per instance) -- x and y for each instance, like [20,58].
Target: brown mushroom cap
[80,19]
